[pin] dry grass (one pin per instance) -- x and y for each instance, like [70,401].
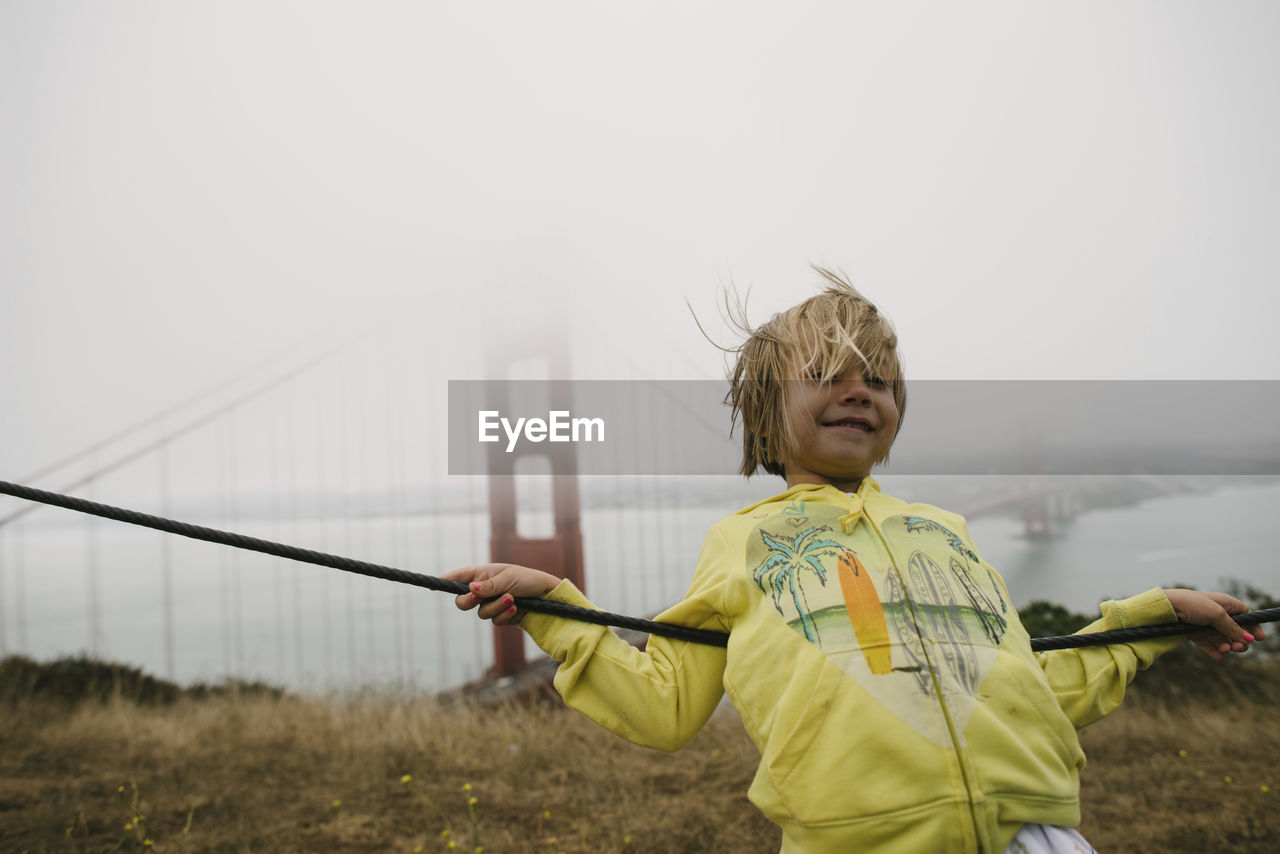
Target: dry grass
[263,774]
[1140,792]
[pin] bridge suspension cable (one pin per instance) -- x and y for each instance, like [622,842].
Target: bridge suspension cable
[170,435]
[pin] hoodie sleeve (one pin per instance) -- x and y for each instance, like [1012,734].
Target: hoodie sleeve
[1089,683]
[659,697]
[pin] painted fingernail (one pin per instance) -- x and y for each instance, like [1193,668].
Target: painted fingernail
[507,600]
[511,610]
[1248,638]
[475,585]
[475,597]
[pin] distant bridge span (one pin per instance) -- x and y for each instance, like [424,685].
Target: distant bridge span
[1043,505]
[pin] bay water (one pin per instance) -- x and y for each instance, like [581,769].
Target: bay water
[98,587]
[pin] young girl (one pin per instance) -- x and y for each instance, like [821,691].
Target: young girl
[874,657]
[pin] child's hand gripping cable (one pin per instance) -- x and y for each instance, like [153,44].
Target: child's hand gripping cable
[496,586]
[1214,610]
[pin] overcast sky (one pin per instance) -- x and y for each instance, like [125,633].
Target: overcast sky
[1084,190]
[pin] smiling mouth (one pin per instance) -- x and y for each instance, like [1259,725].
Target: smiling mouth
[851,424]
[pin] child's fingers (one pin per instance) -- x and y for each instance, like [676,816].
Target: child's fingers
[488,582]
[1216,646]
[494,587]
[467,575]
[519,581]
[1229,629]
[1210,646]
[504,610]
[1212,610]
[1237,637]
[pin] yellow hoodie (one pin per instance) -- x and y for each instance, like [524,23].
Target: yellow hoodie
[879,667]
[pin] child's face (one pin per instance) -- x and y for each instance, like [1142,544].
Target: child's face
[841,428]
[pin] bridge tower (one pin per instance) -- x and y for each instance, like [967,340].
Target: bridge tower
[534,346]
[559,554]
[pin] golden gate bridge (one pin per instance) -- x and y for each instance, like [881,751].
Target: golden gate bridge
[344,451]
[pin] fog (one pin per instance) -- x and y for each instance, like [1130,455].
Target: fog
[193,191]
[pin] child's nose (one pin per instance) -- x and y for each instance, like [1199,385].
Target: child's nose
[853,390]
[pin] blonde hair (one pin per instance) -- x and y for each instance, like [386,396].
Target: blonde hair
[823,337]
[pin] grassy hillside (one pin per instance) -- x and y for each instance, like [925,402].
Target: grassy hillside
[255,770]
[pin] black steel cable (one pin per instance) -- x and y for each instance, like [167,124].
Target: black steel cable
[346,564]
[559,609]
[1161,630]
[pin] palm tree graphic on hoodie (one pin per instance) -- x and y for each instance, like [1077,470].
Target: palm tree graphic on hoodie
[790,558]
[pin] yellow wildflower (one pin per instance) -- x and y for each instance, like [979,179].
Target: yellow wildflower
[444,834]
[1227,779]
[1264,788]
[546,813]
[1182,754]
[337,803]
[472,801]
[466,787]
[406,778]
[129,826]
[147,842]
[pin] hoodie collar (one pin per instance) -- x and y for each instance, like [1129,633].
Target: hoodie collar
[868,487]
